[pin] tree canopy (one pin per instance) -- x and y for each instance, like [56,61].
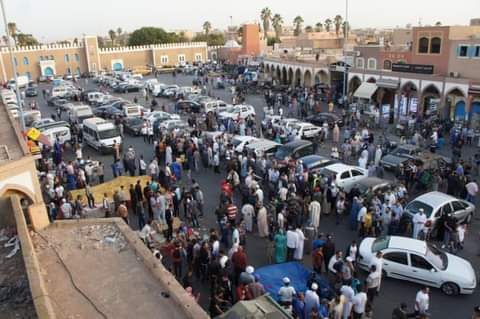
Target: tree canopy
[152,35]
[211,39]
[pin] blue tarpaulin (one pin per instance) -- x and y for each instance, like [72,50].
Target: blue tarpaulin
[271,278]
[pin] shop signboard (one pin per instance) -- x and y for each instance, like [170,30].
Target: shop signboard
[412,68]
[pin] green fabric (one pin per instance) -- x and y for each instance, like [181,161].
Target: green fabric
[280,248]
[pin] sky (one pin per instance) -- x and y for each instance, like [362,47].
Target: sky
[52,20]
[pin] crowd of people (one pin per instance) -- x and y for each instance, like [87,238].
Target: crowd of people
[282,202]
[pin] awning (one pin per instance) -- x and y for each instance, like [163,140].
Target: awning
[388,83]
[366,90]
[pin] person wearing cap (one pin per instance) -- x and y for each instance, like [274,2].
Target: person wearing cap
[246,277]
[311,299]
[286,293]
[419,220]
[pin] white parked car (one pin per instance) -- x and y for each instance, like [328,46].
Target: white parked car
[238,111]
[239,142]
[306,130]
[418,261]
[42,122]
[435,204]
[285,124]
[344,176]
[156,115]
[171,125]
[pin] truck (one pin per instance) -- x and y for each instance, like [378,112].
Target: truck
[22,82]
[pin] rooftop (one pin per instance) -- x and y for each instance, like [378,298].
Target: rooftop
[95,269]
[12,146]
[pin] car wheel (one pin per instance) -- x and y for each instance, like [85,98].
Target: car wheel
[450,289]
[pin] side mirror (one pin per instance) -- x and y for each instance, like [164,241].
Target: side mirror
[433,270]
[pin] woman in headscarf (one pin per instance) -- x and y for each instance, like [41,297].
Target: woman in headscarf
[280,240]
[262,221]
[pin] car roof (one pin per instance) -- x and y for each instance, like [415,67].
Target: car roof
[244,138]
[262,143]
[309,159]
[408,147]
[410,244]
[435,199]
[340,167]
[297,143]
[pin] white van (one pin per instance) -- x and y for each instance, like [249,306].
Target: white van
[215,106]
[62,133]
[95,97]
[81,113]
[31,116]
[22,82]
[60,91]
[101,134]
[132,110]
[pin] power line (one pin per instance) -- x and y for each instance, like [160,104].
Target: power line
[71,277]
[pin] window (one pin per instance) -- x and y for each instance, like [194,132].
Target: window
[360,63]
[67,59]
[77,57]
[181,58]
[462,51]
[25,60]
[476,52]
[420,262]
[164,59]
[52,58]
[29,75]
[447,209]
[198,57]
[78,71]
[372,64]
[345,175]
[387,65]
[423,45]
[457,205]
[397,257]
[356,173]
[41,58]
[15,60]
[435,45]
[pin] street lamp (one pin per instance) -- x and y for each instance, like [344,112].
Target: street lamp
[14,68]
[345,38]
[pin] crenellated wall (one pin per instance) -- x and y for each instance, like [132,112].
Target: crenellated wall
[86,57]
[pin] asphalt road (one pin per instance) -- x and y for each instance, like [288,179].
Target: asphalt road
[393,291]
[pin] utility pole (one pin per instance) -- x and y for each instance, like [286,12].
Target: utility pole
[14,68]
[345,38]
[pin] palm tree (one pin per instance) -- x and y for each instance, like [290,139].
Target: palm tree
[207,27]
[308,29]
[112,35]
[119,31]
[338,23]
[438,23]
[12,29]
[277,22]
[298,21]
[328,24]
[266,16]
[318,27]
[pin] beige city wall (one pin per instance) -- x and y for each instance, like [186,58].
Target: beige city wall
[92,58]
[33,55]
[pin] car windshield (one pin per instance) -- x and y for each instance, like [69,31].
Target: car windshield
[437,257]
[135,121]
[415,206]
[401,151]
[380,243]
[110,133]
[282,152]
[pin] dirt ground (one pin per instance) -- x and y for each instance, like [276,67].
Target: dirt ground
[15,297]
[105,269]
